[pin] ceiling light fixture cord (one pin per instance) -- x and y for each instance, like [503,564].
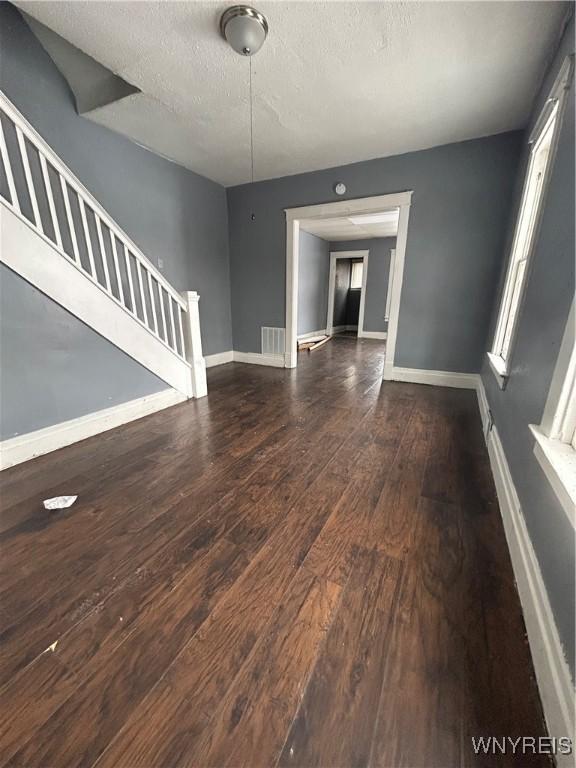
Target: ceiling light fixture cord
[251,126]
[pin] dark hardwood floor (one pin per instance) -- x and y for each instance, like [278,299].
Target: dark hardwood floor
[306,568]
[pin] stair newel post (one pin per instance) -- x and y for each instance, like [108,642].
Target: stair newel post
[193,343]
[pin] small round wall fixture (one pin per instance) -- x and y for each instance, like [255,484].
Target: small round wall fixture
[340,188]
[244,28]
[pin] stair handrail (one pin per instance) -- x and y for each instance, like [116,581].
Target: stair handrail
[172,332]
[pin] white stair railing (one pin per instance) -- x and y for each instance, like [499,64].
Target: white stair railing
[51,200]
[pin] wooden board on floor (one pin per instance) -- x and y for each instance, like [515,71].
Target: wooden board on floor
[319,343]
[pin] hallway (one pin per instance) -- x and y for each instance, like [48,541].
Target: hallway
[305,568]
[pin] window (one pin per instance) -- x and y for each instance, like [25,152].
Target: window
[555,446]
[541,159]
[356,276]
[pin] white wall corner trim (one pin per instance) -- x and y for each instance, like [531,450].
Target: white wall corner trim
[552,671]
[21,448]
[220,358]
[436,378]
[256,358]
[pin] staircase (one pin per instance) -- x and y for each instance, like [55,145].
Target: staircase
[55,235]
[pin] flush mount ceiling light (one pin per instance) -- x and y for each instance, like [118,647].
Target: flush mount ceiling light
[244,28]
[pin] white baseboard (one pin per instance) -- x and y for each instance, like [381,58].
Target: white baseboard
[219,359]
[256,358]
[342,328]
[21,448]
[436,378]
[312,334]
[552,671]
[372,335]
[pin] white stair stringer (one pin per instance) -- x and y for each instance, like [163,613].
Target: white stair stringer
[97,272]
[33,256]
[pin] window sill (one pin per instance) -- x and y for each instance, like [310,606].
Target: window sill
[498,369]
[558,461]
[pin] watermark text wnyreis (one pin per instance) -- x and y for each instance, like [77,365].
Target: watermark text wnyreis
[522,745]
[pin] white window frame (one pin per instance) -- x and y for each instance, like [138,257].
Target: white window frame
[555,437]
[526,230]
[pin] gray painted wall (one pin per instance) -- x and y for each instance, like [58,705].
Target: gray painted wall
[341,289]
[313,277]
[460,206]
[170,212]
[377,278]
[53,365]
[549,292]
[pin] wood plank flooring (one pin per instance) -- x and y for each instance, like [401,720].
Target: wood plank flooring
[305,568]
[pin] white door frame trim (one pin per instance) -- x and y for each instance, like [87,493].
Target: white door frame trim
[334,256]
[375,204]
[390,284]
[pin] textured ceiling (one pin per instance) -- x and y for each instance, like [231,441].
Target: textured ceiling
[356,228]
[336,82]
[92,84]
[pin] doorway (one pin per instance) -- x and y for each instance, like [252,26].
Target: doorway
[347,291]
[362,211]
